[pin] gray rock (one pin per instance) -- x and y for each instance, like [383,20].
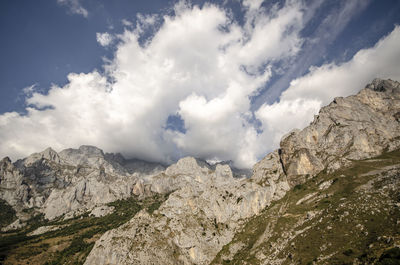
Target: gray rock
[352,128]
[102,211]
[207,206]
[44,229]
[74,180]
[17,224]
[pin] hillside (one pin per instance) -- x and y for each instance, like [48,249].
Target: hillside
[351,216]
[328,195]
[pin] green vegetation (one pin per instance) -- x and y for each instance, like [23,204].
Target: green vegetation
[354,219]
[154,206]
[390,257]
[74,240]
[7,214]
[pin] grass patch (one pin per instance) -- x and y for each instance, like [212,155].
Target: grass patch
[72,243]
[7,214]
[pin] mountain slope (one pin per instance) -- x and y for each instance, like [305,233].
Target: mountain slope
[329,195]
[185,231]
[351,128]
[351,216]
[70,182]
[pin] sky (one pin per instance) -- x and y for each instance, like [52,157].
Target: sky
[160,80]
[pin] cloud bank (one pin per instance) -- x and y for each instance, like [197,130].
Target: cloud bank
[200,66]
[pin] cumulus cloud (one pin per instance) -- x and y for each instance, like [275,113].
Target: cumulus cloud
[280,118]
[74,7]
[321,85]
[200,65]
[104,39]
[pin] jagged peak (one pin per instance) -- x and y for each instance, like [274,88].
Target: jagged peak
[91,150]
[5,160]
[48,153]
[339,135]
[187,165]
[382,85]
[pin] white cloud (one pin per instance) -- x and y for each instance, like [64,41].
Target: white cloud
[331,80]
[316,45]
[74,6]
[104,39]
[252,4]
[201,65]
[280,118]
[196,64]
[126,23]
[322,84]
[146,23]
[29,89]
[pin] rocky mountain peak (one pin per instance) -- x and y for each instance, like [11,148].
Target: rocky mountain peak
[351,128]
[382,85]
[188,166]
[48,154]
[90,150]
[5,165]
[5,160]
[82,154]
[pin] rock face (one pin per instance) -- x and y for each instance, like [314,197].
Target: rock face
[73,180]
[352,128]
[205,209]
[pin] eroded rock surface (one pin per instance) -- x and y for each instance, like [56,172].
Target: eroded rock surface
[73,180]
[351,128]
[205,209]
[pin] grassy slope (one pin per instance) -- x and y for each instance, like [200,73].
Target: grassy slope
[73,242]
[338,225]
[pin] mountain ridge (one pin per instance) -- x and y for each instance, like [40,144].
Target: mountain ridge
[208,215]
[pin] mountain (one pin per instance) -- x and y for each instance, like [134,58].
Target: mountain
[71,181]
[328,195]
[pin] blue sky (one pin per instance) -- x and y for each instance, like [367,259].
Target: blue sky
[158,80]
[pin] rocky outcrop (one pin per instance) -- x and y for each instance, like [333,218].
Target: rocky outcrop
[352,128]
[16,190]
[207,206]
[73,180]
[205,209]
[269,173]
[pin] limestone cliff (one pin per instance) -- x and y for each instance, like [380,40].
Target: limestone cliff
[70,182]
[352,128]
